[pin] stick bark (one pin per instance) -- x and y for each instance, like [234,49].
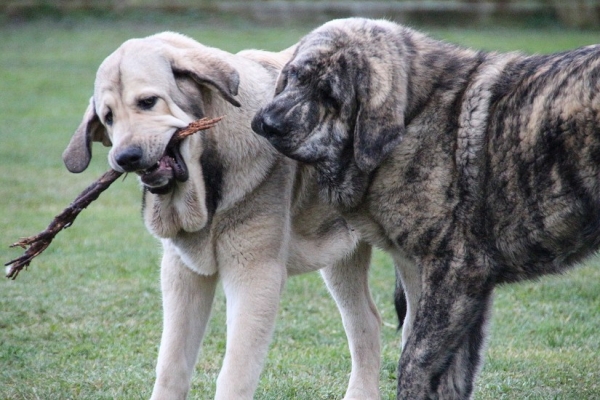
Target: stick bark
[35,245]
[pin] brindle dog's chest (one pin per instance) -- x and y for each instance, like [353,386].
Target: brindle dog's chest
[413,195]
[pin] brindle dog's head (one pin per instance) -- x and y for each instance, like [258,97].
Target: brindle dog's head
[339,103]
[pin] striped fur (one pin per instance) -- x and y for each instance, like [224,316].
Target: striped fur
[471,168]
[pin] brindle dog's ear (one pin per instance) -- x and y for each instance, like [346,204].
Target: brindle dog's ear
[78,153]
[379,124]
[206,69]
[281,81]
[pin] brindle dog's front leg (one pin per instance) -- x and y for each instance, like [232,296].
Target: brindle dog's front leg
[460,375]
[443,351]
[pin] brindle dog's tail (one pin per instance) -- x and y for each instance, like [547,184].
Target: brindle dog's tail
[399,301]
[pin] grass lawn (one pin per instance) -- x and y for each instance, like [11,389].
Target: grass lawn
[84,321]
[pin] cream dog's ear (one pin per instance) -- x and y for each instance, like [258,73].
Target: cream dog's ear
[78,153]
[204,67]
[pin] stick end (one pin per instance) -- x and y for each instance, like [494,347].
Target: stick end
[10,272]
[14,267]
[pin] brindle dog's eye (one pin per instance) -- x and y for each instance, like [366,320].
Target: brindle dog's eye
[147,103]
[329,100]
[292,73]
[327,96]
[108,118]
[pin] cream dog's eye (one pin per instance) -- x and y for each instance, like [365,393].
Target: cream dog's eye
[108,118]
[147,103]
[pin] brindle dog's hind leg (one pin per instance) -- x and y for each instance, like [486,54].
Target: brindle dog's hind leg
[400,303]
[443,352]
[407,293]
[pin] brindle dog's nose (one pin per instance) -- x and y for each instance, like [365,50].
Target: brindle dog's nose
[130,158]
[266,126]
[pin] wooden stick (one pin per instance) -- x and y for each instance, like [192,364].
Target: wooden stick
[35,245]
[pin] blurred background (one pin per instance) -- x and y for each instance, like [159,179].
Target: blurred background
[84,321]
[571,13]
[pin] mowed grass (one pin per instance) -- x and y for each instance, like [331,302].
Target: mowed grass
[84,321]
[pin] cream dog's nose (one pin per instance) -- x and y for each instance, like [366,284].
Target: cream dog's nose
[130,158]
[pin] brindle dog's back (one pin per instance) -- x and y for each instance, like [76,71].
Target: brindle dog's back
[543,163]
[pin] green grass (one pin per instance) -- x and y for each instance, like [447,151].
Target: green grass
[84,321]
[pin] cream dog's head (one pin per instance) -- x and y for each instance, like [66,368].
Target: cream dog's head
[143,92]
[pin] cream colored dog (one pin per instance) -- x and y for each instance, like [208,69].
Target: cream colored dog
[225,205]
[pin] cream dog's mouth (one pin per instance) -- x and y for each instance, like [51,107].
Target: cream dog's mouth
[161,177]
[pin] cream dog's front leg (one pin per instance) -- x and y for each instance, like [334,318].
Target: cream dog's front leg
[348,283]
[187,302]
[253,293]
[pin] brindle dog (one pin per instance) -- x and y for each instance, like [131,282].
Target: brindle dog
[471,168]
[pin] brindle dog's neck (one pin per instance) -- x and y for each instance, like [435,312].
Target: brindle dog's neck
[438,67]
[342,184]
